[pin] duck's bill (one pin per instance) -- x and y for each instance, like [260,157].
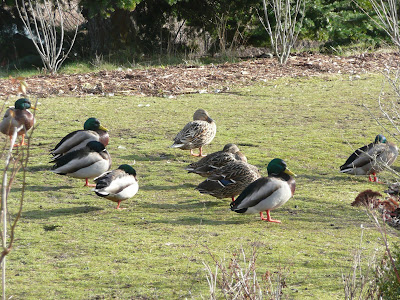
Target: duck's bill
[287,171]
[33,107]
[103,128]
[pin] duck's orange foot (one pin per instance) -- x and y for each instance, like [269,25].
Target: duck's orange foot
[21,144]
[268,218]
[271,220]
[201,154]
[89,184]
[119,208]
[197,155]
[374,179]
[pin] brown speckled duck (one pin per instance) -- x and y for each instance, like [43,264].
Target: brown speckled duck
[18,118]
[230,180]
[205,166]
[371,159]
[201,131]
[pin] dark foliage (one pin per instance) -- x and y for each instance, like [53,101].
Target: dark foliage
[128,29]
[16,50]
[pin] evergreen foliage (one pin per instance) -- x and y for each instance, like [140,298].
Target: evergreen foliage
[129,29]
[388,284]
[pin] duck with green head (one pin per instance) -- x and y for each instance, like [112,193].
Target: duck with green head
[18,118]
[92,131]
[371,159]
[117,185]
[88,162]
[267,193]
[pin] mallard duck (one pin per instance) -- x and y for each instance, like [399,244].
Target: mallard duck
[205,166]
[229,180]
[393,189]
[18,118]
[92,131]
[201,131]
[88,162]
[267,193]
[371,159]
[117,185]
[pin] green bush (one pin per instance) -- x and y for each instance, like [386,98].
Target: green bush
[340,23]
[388,284]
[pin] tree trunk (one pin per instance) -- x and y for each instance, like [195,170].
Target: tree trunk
[99,33]
[113,33]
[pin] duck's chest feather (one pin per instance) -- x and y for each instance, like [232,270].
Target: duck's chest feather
[23,120]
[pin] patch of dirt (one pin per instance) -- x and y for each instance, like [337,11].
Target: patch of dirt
[185,79]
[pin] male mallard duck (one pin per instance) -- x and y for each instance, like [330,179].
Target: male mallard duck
[88,162]
[267,193]
[229,180]
[117,185]
[92,131]
[205,166]
[18,118]
[371,159]
[201,131]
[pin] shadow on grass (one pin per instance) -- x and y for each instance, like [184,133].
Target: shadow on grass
[45,188]
[337,178]
[184,205]
[168,187]
[200,221]
[248,145]
[39,168]
[397,169]
[160,157]
[45,214]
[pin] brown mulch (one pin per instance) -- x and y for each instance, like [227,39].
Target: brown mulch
[185,79]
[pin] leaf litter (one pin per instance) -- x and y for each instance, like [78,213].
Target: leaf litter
[188,79]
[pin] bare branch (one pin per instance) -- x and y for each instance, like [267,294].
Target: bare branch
[236,278]
[42,20]
[287,25]
[388,18]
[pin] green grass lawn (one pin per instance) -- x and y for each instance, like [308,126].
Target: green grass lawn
[72,244]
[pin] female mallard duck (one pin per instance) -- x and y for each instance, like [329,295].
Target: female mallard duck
[267,193]
[88,162]
[201,131]
[92,131]
[393,189]
[117,185]
[205,166]
[18,118]
[371,159]
[230,180]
